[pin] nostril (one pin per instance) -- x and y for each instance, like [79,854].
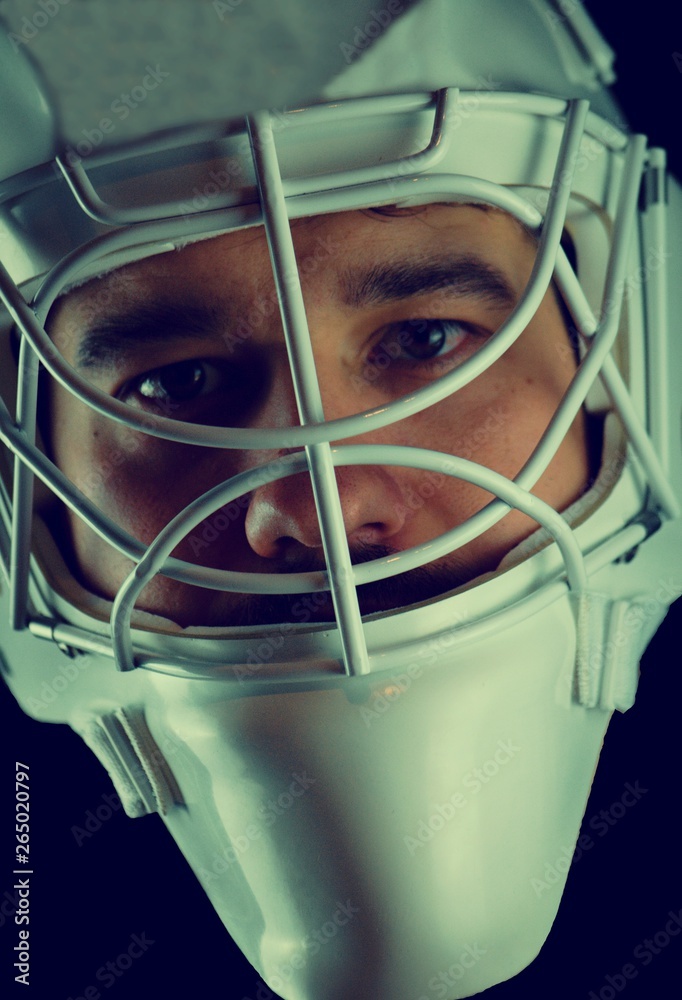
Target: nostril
[282,518]
[293,556]
[369,534]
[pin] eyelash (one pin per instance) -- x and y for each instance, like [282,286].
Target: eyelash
[205,377]
[197,379]
[396,338]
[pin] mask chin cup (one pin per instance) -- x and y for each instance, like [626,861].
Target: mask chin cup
[606,677]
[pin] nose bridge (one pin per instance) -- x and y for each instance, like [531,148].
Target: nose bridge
[338,391]
[336,385]
[282,515]
[278,407]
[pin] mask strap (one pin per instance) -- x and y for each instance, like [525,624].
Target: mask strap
[610,638]
[122,742]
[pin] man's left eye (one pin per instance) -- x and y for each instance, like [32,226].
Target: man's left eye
[420,340]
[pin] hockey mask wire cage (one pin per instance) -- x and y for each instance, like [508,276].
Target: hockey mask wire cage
[414,180]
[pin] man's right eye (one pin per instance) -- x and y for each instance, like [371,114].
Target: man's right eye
[188,390]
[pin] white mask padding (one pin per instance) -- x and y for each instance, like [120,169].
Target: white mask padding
[137,767]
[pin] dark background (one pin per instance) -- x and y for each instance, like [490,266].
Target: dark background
[129,878]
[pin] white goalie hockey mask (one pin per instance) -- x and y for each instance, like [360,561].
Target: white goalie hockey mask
[367,785]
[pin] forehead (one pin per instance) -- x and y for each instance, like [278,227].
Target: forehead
[330,250]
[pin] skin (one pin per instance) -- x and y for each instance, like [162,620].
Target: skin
[366,352]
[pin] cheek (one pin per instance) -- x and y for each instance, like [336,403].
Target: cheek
[143,483]
[140,484]
[487,422]
[110,470]
[137,481]
[496,421]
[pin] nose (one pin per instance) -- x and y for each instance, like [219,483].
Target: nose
[282,522]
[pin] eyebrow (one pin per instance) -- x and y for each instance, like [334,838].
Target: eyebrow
[464,275]
[106,341]
[103,343]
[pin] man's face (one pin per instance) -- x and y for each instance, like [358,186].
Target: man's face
[393,301]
